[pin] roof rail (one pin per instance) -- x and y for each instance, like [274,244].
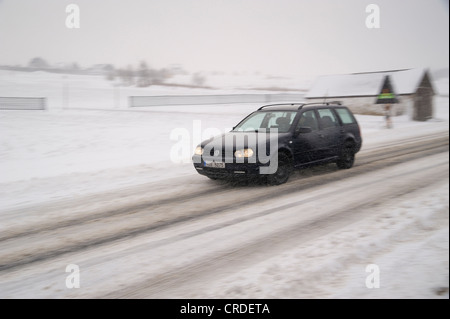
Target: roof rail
[335,102]
[324,103]
[300,105]
[279,104]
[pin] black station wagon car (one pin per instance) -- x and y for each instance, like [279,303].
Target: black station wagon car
[277,138]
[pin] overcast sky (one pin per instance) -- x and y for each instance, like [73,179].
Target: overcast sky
[270,36]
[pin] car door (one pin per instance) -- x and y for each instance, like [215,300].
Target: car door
[305,145]
[330,131]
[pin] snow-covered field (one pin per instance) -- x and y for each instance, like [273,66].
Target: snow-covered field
[94,151]
[46,156]
[94,92]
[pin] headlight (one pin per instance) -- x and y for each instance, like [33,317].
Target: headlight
[246,152]
[199,150]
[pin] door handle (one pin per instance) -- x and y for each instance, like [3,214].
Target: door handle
[321,135]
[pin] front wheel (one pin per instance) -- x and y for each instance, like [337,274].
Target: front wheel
[283,171]
[347,157]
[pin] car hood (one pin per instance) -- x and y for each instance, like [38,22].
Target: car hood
[233,141]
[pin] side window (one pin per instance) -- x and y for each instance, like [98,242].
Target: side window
[274,118]
[280,120]
[346,116]
[308,119]
[327,118]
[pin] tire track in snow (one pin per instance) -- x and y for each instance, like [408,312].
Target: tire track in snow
[100,232]
[180,281]
[392,150]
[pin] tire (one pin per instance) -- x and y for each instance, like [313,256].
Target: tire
[347,157]
[283,172]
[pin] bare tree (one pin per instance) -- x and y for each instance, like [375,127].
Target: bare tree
[110,72]
[126,76]
[143,74]
[198,79]
[129,75]
[38,63]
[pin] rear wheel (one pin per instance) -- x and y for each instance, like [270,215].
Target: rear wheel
[347,157]
[283,171]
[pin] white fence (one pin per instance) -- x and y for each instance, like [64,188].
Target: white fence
[142,101]
[23,103]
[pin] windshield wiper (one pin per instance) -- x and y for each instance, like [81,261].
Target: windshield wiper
[256,131]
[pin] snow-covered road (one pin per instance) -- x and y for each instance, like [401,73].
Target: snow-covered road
[188,237]
[97,188]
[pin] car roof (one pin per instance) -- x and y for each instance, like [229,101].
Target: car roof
[298,106]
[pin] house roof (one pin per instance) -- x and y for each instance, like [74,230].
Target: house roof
[366,84]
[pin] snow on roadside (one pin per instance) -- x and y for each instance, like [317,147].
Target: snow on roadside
[56,154]
[407,238]
[59,154]
[91,151]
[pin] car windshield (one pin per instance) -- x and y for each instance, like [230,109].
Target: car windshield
[281,120]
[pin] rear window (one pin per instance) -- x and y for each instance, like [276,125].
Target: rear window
[346,116]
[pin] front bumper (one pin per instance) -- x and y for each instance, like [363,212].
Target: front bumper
[231,170]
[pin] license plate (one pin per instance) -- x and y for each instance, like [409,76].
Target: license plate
[215,164]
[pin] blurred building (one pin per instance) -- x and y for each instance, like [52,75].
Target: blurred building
[360,91]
